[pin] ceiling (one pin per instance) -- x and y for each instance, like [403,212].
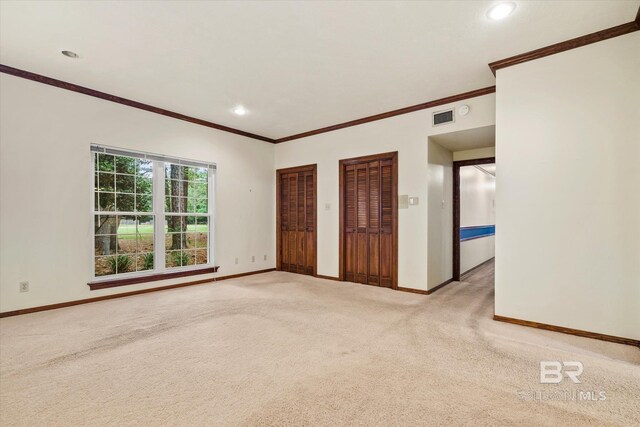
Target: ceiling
[467,139]
[296,66]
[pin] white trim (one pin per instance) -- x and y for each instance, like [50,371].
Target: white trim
[150,156]
[212,216]
[158,224]
[92,208]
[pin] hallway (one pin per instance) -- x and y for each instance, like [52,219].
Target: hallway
[484,274]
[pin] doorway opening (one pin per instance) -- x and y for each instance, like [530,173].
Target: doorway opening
[473,219]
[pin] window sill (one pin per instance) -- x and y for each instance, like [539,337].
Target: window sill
[104,284]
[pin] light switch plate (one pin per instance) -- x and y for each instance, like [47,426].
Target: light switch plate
[413,201]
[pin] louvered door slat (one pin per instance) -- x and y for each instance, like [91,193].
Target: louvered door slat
[350,222]
[373,231]
[293,222]
[361,223]
[284,222]
[310,220]
[300,226]
[386,226]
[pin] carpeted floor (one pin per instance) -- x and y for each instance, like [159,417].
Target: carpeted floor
[285,349]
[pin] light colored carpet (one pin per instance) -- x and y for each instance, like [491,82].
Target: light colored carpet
[285,349]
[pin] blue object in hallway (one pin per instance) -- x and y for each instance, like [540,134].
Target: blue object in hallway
[476,232]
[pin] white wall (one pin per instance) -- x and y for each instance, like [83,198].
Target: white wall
[475,153]
[45,183]
[440,215]
[568,190]
[408,134]
[477,197]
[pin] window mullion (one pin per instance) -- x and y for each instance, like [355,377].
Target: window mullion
[158,211]
[211,214]
[92,228]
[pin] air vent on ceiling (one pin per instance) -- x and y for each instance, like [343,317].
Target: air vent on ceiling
[443,117]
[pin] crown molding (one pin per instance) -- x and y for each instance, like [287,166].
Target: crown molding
[405,110]
[124,101]
[585,40]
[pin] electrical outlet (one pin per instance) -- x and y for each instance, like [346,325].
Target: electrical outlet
[24,286]
[236,260]
[253,258]
[265,257]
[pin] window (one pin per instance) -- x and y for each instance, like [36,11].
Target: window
[152,214]
[186,218]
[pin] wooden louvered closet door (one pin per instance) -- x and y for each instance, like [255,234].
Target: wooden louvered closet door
[296,220]
[369,224]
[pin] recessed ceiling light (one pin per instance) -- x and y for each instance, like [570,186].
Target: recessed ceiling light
[239,110]
[501,10]
[70,54]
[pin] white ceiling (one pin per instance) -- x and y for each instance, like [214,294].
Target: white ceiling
[467,139]
[296,66]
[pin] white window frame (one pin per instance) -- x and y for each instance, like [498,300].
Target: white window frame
[158,214]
